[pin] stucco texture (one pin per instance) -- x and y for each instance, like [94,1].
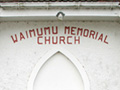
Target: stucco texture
[101,61]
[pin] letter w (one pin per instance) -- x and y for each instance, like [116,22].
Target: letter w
[14,40]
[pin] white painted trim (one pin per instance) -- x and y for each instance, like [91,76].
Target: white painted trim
[68,55]
[24,11]
[38,11]
[48,5]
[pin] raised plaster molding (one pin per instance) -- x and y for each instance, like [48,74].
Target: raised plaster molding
[69,56]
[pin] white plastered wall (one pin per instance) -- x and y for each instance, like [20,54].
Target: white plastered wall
[101,61]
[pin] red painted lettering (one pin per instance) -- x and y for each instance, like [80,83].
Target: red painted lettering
[21,36]
[62,39]
[14,40]
[55,31]
[73,30]
[54,41]
[77,40]
[96,35]
[26,34]
[39,34]
[80,30]
[47,30]
[105,40]
[67,30]
[92,33]
[32,31]
[38,40]
[47,40]
[101,37]
[85,33]
[68,41]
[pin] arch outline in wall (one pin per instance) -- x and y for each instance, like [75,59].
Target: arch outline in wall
[48,55]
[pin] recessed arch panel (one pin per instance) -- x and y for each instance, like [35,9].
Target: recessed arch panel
[58,70]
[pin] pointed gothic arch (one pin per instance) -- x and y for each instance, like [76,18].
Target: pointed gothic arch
[48,55]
